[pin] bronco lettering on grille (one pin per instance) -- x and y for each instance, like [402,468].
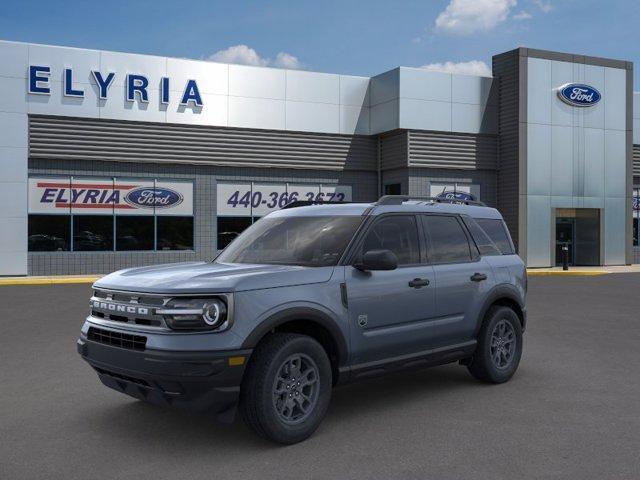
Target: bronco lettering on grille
[116,307]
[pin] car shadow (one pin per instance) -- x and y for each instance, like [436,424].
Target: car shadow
[374,397]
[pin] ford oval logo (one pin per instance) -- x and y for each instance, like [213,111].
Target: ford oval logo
[579,94]
[149,197]
[449,195]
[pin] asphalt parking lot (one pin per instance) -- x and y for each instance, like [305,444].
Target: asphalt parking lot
[571,412]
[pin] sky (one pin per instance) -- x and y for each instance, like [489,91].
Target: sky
[347,37]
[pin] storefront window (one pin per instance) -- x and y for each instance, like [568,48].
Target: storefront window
[455,191]
[142,214]
[92,233]
[175,233]
[229,228]
[241,204]
[134,233]
[393,189]
[49,233]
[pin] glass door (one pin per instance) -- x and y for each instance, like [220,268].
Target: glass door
[565,229]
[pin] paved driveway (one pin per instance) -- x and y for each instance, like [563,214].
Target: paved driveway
[571,412]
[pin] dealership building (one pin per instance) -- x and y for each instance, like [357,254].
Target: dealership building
[110,160]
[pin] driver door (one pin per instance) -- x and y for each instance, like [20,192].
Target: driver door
[390,311]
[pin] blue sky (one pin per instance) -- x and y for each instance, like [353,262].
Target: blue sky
[362,38]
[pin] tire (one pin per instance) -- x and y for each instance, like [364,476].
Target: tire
[497,363]
[275,404]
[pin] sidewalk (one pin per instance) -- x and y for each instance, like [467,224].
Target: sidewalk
[49,280]
[583,271]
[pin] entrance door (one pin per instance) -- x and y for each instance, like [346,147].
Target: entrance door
[579,230]
[565,229]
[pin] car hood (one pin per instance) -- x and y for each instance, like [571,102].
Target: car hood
[206,277]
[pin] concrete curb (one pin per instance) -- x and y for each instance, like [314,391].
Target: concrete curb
[567,273]
[54,280]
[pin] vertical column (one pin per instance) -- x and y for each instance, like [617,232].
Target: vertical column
[13,158]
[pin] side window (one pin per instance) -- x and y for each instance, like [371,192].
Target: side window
[447,241]
[497,231]
[483,242]
[397,233]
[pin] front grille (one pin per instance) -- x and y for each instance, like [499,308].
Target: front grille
[117,339]
[131,308]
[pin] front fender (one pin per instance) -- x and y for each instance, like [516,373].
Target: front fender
[313,313]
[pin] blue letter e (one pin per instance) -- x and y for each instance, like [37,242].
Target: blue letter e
[39,79]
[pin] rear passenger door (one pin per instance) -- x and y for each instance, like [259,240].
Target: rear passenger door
[461,277]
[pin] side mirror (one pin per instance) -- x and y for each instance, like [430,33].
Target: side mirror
[377,260]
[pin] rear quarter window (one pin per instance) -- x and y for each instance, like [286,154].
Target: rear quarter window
[485,245]
[497,232]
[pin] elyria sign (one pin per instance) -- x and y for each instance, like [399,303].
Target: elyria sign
[579,94]
[136,86]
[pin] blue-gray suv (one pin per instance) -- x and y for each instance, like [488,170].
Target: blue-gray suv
[308,298]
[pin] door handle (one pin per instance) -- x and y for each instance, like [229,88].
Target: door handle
[478,277]
[418,282]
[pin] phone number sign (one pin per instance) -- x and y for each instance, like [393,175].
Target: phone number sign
[257,200]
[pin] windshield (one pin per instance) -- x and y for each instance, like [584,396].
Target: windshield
[304,241]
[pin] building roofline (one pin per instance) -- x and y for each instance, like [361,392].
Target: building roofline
[569,57]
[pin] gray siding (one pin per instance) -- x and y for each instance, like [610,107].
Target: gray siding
[636,160]
[506,71]
[394,150]
[57,138]
[452,150]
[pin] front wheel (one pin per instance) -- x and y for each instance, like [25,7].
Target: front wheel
[499,346]
[287,388]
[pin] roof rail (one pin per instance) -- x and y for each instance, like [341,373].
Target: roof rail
[306,203]
[400,199]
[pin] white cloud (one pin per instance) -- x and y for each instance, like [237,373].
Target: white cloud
[543,5]
[245,55]
[473,67]
[286,60]
[241,54]
[464,17]
[522,15]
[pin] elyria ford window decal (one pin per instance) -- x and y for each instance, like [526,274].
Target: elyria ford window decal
[97,196]
[578,94]
[136,86]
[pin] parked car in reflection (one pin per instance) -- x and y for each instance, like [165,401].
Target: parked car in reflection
[40,242]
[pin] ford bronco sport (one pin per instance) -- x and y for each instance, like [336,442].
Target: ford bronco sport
[308,298]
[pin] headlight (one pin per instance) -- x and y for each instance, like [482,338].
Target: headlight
[195,314]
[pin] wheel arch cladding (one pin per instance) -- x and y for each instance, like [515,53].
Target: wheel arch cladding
[307,321]
[506,296]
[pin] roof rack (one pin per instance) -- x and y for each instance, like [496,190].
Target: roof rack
[306,203]
[400,199]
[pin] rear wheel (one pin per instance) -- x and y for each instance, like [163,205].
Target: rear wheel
[287,388]
[499,346]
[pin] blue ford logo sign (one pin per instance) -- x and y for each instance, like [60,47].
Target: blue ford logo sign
[149,197]
[450,195]
[579,94]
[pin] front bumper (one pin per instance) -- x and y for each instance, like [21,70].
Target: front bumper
[195,381]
